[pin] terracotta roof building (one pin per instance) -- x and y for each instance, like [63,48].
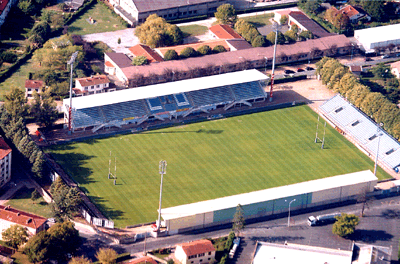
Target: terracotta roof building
[224,32]
[142,260]
[239,60]
[10,216]
[146,51]
[306,23]
[201,251]
[354,13]
[5,162]
[33,86]
[92,85]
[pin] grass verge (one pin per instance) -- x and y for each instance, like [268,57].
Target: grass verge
[22,201]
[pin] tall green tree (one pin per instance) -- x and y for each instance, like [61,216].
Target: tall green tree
[80,260]
[226,14]
[66,200]
[374,8]
[37,247]
[15,103]
[345,225]
[280,38]
[44,109]
[64,240]
[15,236]
[238,220]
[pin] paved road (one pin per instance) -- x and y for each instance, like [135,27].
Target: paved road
[380,226]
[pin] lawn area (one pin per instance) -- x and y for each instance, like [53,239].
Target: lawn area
[259,20]
[105,21]
[207,160]
[22,201]
[193,30]
[17,79]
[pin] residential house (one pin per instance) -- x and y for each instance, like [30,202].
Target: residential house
[10,216]
[136,11]
[279,14]
[92,85]
[115,62]
[5,162]
[142,260]
[396,69]
[33,86]
[146,51]
[232,61]
[354,13]
[356,69]
[196,252]
[223,32]
[306,23]
[238,44]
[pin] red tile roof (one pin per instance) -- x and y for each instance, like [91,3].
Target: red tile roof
[349,11]
[21,218]
[144,50]
[4,148]
[211,43]
[224,32]
[3,4]
[197,247]
[33,84]
[109,64]
[93,80]
[141,260]
[284,12]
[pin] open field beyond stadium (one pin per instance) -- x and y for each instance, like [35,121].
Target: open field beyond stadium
[207,160]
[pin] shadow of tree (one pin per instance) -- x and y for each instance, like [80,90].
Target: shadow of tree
[370,236]
[391,214]
[204,131]
[109,212]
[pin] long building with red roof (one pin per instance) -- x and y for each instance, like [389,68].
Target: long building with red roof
[5,163]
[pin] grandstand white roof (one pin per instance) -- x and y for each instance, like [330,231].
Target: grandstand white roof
[267,194]
[377,35]
[358,125]
[166,89]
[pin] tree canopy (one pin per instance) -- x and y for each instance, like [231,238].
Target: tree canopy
[280,38]
[140,60]
[106,255]
[156,32]
[226,14]
[44,109]
[15,236]
[238,220]
[171,55]
[345,225]
[15,103]
[66,200]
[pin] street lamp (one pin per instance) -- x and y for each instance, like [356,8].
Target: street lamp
[71,62]
[288,222]
[377,149]
[276,29]
[162,168]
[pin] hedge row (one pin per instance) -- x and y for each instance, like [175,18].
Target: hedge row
[338,78]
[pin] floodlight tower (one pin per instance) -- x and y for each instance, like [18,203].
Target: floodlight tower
[162,168]
[276,30]
[71,62]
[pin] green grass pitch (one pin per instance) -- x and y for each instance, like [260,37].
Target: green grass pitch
[207,160]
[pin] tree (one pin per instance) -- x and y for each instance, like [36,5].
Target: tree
[284,19]
[290,36]
[15,236]
[140,60]
[106,255]
[79,260]
[251,34]
[171,55]
[26,6]
[345,225]
[156,32]
[238,220]
[35,194]
[280,38]
[66,199]
[259,41]
[341,21]
[204,50]
[219,49]
[374,8]
[15,103]
[37,247]
[372,103]
[306,35]
[226,14]
[188,52]
[312,6]
[44,109]
[64,240]
[365,200]
[39,33]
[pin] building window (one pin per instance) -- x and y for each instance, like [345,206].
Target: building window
[98,86]
[201,254]
[169,15]
[209,253]
[209,258]
[29,89]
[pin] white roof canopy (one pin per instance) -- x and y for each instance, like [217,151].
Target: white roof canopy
[267,194]
[166,89]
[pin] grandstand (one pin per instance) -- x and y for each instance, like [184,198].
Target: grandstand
[362,129]
[166,101]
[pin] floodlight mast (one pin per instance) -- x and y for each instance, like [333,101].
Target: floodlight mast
[273,62]
[162,170]
[71,62]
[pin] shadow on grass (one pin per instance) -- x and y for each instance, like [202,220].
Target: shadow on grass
[111,213]
[23,193]
[370,236]
[204,131]
[73,29]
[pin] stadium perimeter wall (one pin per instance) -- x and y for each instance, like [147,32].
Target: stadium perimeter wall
[274,202]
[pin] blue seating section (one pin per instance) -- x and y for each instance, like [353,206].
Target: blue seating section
[117,112]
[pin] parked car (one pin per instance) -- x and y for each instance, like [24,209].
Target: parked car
[368,59]
[300,70]
[385,56]
[308,68]
[288,72]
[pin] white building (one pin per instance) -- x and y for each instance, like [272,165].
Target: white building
[5,161]
[91,85]
[396,69]
[10,216]
[32,86]
[196,252]
[377,37]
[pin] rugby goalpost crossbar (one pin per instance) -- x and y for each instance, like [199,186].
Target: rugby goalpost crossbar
[112,175]
[317,139]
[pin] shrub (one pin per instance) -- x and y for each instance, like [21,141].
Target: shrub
[219,49]
[204,50]
[188,52]
[140,60]
[259,41]
[171,55]
[8,57]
